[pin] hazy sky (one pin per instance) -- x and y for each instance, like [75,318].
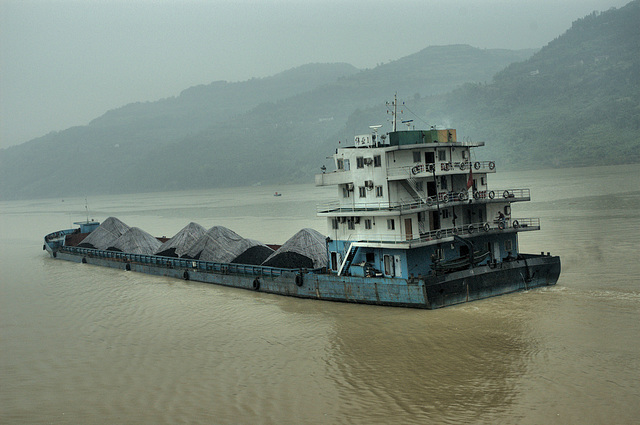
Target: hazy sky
[63,63]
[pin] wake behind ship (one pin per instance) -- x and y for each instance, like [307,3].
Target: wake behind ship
[415,223]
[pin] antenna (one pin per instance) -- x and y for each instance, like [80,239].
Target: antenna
[394,113]
[86,207]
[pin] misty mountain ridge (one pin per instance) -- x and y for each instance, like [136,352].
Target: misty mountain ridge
[559,107]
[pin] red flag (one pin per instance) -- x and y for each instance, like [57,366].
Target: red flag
[470,181]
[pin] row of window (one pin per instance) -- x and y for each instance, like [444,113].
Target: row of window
[343,164]
[352,221]
[362,192]
[429,156]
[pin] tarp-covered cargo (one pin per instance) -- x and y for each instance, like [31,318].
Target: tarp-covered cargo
[182,241]
[305,249]
[136,241]
[105,235]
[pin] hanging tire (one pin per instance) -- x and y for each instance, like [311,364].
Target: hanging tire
[463,196]
[431,168]
[486,227]
[476,195]
[438,234]
[492,165]
[477,165]
[256,284]
[516,224]
[185,275]
[463,165]
[505,194]
[55,254]
[501,225]
[299,280]
[471,228]
[84,260]
[127,267]
[429,201]
[492,194]
[415,170]
[445,198]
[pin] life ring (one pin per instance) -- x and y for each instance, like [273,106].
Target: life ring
[516,224]
[438,234]
[185,275]
[415,170]
[477,165]
[486,227]
[256,284]
[299,280]
[127,267]
[492,194]
[445,198]
[471,228]
[492,165]
[84,260]
[505,193]
[431,168]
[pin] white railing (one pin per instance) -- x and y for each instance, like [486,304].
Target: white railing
[480,228]
[431,202]
[451,167]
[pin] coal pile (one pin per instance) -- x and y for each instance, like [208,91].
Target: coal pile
[254,256]
[305,249]
[105,235]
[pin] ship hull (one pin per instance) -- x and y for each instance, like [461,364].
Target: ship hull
[430,292]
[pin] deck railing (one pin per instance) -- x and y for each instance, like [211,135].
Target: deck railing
[183,263]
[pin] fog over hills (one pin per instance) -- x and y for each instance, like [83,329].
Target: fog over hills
[564,105]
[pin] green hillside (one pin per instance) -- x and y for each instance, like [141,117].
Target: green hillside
[270,129]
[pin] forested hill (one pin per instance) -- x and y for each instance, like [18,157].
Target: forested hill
[575,102]
[271,129]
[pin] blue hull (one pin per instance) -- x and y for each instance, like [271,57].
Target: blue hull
[429,292]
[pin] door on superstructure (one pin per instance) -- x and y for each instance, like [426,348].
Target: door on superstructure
[431,188]
[429,157]
[334,260]
[389,265]
[408,228]
[434,220]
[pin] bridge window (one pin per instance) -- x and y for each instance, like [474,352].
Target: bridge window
[360,162]
[363,191]
[367,223]
[379,191]
[377,161]
[391,224]
[416,156]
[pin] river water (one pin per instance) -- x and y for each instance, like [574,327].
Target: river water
[83,344]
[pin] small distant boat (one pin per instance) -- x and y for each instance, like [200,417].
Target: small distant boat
[277,194]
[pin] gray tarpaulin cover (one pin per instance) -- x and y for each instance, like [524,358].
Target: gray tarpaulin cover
[220,245]
[106,234]
[136,241]
[305,249]
[182,241]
